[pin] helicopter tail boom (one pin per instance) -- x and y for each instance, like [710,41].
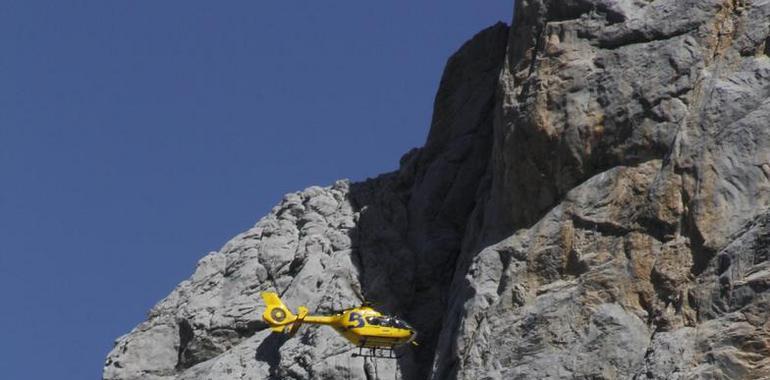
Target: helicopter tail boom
[281,319]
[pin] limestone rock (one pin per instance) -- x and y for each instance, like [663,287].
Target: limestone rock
[629,150]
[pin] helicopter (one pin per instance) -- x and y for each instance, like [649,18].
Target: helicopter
[362,326]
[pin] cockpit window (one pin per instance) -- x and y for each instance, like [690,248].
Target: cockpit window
[401,324]
[374,321]
[387,322]
[379,321]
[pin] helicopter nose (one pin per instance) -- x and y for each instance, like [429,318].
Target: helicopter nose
[412,335]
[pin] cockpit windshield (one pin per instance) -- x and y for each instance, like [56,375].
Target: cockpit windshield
[400,324]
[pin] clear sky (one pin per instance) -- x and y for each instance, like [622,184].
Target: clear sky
[136,136]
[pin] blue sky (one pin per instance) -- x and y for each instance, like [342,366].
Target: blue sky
[136,136]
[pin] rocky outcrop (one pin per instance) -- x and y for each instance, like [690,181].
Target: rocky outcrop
[631,147]
[393,240]
[591,202]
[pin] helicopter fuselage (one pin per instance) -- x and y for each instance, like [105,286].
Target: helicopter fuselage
[368,328]
[362,326]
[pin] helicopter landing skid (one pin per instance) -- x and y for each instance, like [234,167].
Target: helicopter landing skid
[379,353]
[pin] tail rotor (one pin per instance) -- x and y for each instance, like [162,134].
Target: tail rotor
[277,315]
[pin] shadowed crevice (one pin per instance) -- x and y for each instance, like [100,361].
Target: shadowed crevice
[186,335]
[269,351]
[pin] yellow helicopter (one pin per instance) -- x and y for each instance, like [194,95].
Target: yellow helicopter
[363,326]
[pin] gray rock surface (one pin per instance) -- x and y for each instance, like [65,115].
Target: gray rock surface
[593,201]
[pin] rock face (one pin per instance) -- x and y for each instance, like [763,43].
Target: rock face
[592,202]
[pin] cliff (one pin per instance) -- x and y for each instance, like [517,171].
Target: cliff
[591,202]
